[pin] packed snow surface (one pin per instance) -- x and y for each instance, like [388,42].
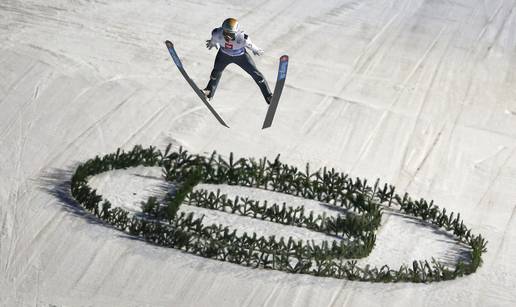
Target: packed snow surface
[421,94]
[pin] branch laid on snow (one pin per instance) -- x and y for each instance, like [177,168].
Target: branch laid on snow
[187,233]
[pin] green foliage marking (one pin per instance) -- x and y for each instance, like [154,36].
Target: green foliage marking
[357,228]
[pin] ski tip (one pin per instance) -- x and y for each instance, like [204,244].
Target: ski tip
[284,58]
[169,44]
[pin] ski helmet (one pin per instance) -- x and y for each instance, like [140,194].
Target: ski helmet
[230,27]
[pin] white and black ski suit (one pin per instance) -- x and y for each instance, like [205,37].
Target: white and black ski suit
[234,51]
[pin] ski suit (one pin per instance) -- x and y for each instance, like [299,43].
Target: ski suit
[234,51]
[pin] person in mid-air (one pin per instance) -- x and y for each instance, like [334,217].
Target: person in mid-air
[233,43]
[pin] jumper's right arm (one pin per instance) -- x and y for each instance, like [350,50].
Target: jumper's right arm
[212,42]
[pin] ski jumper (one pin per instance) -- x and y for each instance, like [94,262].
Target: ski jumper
[234,51]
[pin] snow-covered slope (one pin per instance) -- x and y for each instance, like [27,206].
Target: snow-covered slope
[419,93]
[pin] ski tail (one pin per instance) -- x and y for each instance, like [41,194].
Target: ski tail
[278,89]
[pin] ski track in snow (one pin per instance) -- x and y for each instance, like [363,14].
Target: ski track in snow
[418,93]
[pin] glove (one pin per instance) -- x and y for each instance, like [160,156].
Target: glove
[258,51]
[210,44]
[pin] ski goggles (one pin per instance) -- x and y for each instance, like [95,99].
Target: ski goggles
[229,35]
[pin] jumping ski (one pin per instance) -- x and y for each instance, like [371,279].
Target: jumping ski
[177,61]
[280,82]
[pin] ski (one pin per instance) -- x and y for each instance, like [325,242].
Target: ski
[177,61]
[280,82]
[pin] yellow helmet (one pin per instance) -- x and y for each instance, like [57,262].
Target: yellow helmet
[230,25]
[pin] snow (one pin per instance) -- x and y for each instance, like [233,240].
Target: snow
[421,94]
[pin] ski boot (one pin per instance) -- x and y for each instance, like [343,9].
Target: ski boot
[207,94]
[268,99]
